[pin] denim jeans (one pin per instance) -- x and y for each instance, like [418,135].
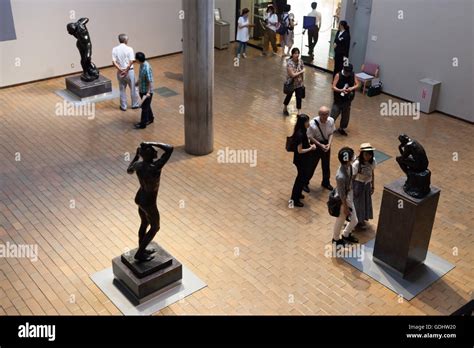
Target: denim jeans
[242,48]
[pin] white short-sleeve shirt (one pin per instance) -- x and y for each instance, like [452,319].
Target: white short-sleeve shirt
[273,18]
[327,128]
[243,34]
[123,55]
[363,172]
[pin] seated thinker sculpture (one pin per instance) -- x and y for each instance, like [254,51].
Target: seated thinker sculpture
[414,162]
[149,174]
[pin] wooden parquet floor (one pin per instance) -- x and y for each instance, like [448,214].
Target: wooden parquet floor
[64,187]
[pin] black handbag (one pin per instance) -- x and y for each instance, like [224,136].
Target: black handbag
[290,144]
[288,87]
[334,204]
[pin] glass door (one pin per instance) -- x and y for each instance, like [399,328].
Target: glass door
[323,51]
[257,10]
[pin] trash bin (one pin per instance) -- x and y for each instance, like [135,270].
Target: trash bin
[428,95]
[221,31]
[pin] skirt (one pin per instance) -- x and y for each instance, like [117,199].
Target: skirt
[363,200]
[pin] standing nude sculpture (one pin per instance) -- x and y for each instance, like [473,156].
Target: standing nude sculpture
[149,174]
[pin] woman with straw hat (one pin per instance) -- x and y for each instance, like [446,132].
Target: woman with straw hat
[364,183]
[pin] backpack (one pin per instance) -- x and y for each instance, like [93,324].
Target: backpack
[334,204]
[283,28]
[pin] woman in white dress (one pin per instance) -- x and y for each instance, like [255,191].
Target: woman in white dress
[243,33]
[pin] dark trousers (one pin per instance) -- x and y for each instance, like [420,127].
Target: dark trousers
[147,113]
[313,35]
[338,63]
[300,181]
[325,158]
[269,37]
[299,97]
[343,108]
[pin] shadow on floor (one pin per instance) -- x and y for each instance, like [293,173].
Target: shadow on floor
[174,76]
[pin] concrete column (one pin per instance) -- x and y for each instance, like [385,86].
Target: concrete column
[198,61]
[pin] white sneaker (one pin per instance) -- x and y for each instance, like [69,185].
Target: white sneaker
[244,55]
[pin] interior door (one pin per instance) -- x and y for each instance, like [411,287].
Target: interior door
[359,33]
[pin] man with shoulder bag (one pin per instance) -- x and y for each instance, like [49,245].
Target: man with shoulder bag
[320,133]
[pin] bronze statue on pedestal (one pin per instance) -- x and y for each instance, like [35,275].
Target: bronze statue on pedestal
[149,174]
[414,163]
[84,45]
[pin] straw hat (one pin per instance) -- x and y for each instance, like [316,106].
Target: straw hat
[366,147]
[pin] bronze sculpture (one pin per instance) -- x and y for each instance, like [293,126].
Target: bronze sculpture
[149,174]
[414,163]
[84,45]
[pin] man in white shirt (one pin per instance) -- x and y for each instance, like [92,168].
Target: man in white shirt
[123,58]
[313,33]
[320,132]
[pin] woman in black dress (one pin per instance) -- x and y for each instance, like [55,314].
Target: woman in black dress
[342,42]
[301,158]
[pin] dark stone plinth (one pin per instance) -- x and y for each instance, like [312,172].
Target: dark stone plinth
[84,89]
[418,184]
[404,228]
[142,269]
[158,275]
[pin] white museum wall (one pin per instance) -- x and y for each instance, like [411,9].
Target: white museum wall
[423,44]
[44,49]
[228,12]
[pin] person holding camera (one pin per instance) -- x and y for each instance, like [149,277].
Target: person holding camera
[271,23]
[344,85]
[295,77]
[344,179]
[301,158]
[243,33]
[320,133]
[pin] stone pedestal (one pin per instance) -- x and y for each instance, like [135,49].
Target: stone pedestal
[141,281]
[404,228]
[85,90]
